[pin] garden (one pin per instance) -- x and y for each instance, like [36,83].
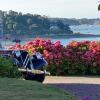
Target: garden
[76,58]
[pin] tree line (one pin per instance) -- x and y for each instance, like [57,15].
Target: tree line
[19,23]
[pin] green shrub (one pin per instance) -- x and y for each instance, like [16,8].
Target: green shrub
[7,69]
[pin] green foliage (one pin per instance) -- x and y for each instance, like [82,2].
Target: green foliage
[66,68]
[18,23]
[99,7]
[7,69]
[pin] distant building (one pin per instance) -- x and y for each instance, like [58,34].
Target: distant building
[54,28]
[97,23]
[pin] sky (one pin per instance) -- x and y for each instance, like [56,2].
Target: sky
[54,8]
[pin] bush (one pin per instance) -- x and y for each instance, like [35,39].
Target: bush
[7,69]
[77,58]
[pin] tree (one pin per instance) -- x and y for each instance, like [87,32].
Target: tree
[60,24]
[99,7]
[19,23]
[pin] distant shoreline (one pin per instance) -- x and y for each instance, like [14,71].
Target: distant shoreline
[53,36]
[63,36]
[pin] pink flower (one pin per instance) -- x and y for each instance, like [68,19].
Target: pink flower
[56,44]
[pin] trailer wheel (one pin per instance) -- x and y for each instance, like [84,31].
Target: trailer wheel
[34,77]
[40,77]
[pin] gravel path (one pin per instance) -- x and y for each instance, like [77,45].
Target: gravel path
[78,86]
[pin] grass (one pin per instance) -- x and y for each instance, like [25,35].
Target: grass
[14,89]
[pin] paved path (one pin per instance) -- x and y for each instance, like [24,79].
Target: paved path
[79,86]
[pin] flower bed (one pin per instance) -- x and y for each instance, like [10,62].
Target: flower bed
[76,58]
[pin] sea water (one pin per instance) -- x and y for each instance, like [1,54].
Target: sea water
[85,29]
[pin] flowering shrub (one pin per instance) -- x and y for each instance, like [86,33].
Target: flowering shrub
[75,58]
[88,54]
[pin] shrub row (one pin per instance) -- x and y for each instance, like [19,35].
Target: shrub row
[76,58]
[7,69]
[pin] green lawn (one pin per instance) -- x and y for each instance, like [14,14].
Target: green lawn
[14,89]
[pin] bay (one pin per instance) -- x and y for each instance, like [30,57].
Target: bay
[66,41]
[85,29]
[63,41]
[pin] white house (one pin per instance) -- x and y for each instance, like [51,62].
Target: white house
[54,28]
